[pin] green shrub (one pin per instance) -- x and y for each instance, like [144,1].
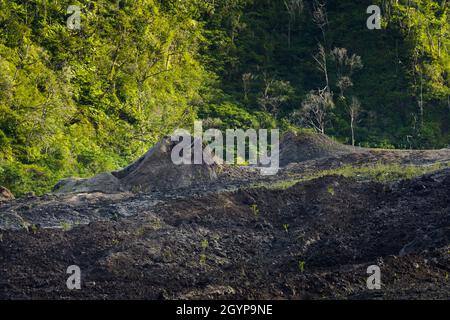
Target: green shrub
[21,178]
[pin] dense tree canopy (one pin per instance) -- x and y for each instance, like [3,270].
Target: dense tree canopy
[82,101]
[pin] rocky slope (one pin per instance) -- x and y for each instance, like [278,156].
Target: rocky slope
[239,236]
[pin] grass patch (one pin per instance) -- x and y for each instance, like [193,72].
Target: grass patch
[382,173]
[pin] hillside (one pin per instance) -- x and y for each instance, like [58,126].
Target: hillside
[308,233]
[82,102]
[352,98]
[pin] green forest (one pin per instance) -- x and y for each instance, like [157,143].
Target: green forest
[78,102]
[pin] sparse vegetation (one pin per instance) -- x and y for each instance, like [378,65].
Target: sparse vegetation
[140,231]
[382,173]
[157,224]
[330,190]
[25,225]
[137,189]
[301,266]
[66,226]
[204,243]
[202,259]
[255,209]
[33,228]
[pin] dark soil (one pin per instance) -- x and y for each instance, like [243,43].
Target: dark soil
[232,240]
[256,239]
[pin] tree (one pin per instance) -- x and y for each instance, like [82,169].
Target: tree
[425,25]
[320,17]
[80,102]
[321,59]
[346,65]
[246,78]
[353,110]
[275,93]
[294,8]
[315,109]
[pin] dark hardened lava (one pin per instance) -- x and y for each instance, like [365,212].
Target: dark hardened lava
[256,241]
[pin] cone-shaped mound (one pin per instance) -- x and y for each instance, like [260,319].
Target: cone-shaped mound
[153,171]
[308,146]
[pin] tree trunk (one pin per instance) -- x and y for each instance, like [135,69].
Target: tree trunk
[353,130]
